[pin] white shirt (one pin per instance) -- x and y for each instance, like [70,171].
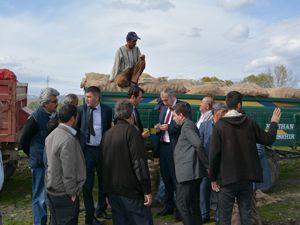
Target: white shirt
[166,136]
[204,117]
[96,140]
[71,129]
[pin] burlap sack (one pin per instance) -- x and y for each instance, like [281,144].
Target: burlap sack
[208,89]
[247,89]
[101,81]
[157,87]
[154,175]
[283,92]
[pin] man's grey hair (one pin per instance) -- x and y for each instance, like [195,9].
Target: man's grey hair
[169,91]
[46,94]
[70,99]
[217,106]
[123,110]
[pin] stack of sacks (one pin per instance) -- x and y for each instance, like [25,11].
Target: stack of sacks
[283,92]
[247,89]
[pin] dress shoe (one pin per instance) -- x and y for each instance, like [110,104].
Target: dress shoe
[103,215]
[177,216]
[165,212]
[94,221]
[205,220]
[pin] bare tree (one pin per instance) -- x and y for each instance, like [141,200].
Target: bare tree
[282,77]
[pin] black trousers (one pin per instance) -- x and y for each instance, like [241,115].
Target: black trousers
[91,155]
[129,211]
[167,170]
[63,210]
[187,201]
[243,192]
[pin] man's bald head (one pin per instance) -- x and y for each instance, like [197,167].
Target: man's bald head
[206,104]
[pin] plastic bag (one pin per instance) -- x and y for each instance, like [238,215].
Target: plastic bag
[1,172]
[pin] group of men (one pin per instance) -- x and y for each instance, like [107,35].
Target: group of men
[67,149]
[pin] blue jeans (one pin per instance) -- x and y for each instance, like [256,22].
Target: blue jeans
[38,196]
[129,211]
[205,192]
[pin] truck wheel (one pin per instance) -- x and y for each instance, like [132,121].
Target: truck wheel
[10,168]
[273,158]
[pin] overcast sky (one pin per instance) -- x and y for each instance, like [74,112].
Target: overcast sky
[64,39]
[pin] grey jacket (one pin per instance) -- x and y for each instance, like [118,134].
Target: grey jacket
[189,158]
[66,170]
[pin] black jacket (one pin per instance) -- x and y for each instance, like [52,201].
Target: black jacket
[124,166]
[233,155]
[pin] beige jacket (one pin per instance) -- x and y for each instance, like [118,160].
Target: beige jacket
[65,170]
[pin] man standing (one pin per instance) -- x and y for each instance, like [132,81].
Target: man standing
[129,63]
[233,161]
[218,111]
[66,171]
[205,110]
[32,141]
[168,130]
[94,119]
[190,165]
[125,170]
[135,96]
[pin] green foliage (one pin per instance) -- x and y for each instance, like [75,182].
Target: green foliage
[33,105]
[264,80]
[215,79]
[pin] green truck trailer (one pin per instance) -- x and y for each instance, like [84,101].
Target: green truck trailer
[259,109]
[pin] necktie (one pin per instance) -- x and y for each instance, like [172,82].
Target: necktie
[91,124]
[167,118]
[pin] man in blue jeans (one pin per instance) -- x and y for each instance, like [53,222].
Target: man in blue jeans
[32,141]
[206,197]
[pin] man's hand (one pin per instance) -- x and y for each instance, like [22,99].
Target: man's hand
[73,198]
[214,186]
[163,127]
[148,200]
[142,57]
[276,115]
[146,134]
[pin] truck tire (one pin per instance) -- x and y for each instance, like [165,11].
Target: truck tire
[10,168]
[273,159]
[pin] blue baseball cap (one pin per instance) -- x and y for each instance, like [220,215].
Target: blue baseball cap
[132,36]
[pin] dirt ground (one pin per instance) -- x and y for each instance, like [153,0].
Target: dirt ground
[15,199]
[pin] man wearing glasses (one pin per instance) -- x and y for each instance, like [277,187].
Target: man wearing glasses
[32,141]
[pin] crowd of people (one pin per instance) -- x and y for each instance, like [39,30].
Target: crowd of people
[210,164]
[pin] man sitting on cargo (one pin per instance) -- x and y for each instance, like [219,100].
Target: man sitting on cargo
[129,63]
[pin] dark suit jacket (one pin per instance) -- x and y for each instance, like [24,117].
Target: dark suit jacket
[189,157]
[82,122]
[173,128]
[137,121]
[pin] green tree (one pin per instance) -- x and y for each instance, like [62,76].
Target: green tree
[215,79]
[264,80]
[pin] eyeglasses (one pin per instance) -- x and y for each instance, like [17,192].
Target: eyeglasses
[54,101]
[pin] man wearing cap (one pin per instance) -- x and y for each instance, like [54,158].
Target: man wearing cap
[129,63]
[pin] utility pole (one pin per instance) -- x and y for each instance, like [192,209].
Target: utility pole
[47,81]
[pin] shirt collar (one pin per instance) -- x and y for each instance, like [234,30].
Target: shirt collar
[71,129]
[174,103]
